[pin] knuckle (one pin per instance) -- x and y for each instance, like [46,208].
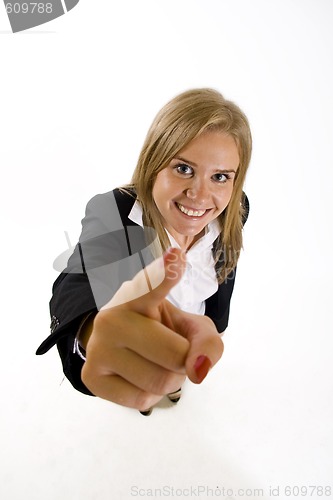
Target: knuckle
[178,352]
[108,320]
[210,322]
[167,382]
[102,319]
[218,344]
[161,383]
[143,401]
[89,377]
[175,382]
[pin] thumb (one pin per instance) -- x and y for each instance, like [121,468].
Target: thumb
[164,273]
[152,284]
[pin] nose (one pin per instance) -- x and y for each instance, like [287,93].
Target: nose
[198,191]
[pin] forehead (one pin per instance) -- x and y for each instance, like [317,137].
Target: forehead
[212,149]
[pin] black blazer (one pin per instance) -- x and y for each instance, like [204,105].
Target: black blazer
[111,250]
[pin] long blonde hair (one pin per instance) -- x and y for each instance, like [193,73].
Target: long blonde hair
[182,119]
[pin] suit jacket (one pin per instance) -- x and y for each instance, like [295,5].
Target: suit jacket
[111,250]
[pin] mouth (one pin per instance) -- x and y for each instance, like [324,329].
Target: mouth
[190,212]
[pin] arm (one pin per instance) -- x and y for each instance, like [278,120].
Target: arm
[101,242]
[142,347]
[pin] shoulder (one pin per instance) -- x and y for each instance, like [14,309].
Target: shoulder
[112,204]
[125,199]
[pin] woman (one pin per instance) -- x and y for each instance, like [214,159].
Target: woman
[132,337]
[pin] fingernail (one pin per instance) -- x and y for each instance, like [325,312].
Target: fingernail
[201,367]
[167,253]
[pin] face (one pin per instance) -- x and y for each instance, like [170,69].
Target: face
[196,186]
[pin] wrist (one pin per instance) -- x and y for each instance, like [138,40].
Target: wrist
[83,335]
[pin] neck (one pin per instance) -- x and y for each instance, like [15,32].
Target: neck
[187,242]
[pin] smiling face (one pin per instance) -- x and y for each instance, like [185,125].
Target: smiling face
[196,186]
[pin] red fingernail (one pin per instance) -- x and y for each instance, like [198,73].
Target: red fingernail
[201,367]
[167,253]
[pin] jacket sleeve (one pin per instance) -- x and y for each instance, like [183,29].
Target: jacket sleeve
[71,301]
[85,284]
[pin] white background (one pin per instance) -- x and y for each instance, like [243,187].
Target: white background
[76,98]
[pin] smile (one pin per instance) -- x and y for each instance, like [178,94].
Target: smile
[190,212]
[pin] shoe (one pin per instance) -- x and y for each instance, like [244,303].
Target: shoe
[174,397]
[146,413]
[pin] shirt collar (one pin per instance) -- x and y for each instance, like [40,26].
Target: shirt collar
[135,214]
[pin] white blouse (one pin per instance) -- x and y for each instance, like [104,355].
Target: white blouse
[199,279]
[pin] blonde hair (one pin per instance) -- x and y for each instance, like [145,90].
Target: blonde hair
[182,119]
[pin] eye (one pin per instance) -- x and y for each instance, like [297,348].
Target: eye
[221,178]
[184,169]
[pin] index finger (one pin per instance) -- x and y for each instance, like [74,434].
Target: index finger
[206,345]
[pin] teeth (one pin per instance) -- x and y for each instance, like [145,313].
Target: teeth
[191,213]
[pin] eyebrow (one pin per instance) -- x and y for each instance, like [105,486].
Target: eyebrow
[195,165]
